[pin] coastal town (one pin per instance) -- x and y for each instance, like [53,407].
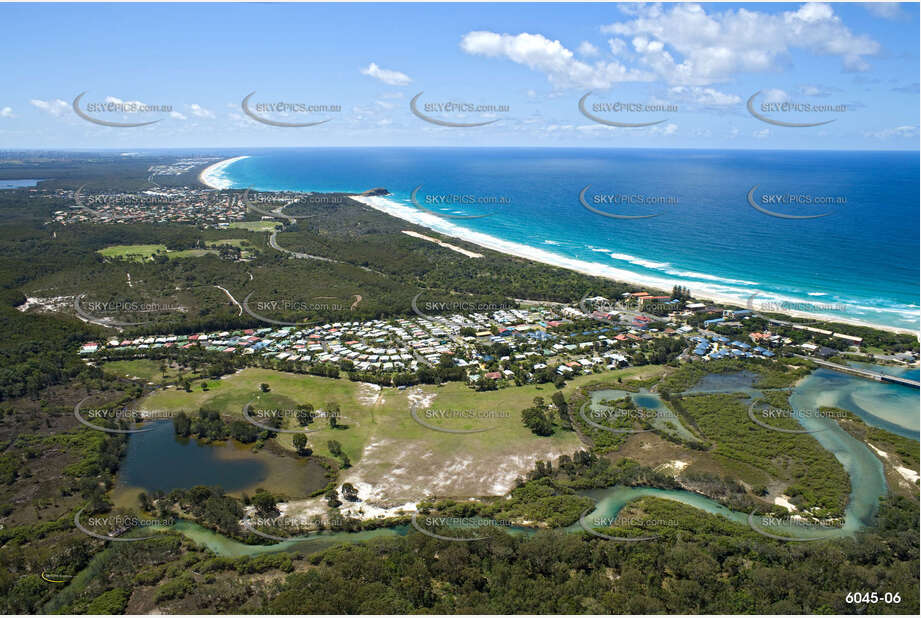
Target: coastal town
[156,205]
[505,346]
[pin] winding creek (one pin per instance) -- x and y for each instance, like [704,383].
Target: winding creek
[888,406]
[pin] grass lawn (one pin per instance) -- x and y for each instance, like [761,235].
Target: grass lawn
[190,253]
[145,369]
[255,226]
[143,253]
[391,452]
[137,253]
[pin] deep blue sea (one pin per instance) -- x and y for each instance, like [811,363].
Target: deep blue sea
[860,262]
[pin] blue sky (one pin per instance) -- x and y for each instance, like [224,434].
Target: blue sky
[699,62]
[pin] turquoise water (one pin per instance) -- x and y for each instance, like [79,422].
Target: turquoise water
[853,264]
[893,407]
[665,419]
[610,501]
[225,546]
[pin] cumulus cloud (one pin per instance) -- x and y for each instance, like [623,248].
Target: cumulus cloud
[552,58]
[667,129]
[6,112]
[201,112]
[392,78]
[683,44]
[704,96]
[617,46]
[56,107]
[587,49]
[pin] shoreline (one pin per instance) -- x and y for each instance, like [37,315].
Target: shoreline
[715,292]
[511,248]
[208,175]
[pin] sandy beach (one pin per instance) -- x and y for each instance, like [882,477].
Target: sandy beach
[211,175]
[702,291]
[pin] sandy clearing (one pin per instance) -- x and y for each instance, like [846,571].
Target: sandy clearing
[784,501]
[446,245]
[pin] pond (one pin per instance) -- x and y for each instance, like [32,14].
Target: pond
[664,419]
[158,459]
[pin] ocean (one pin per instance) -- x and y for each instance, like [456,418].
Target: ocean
[714,228]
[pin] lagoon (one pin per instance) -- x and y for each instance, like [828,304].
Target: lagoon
[159,460]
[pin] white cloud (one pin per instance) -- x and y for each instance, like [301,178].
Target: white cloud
[711,48]
[761,134]
[177,115]
[902,131]
[666,129]
[393,78]
[816,90]
[201,112]
[704,96]
[775,95]
[56,108]
[539,53]
[617,46]
[587,49]
[886,10]
[6,112]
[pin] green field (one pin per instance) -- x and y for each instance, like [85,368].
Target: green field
[137,253]
[401,458]
[190,253]
[147,370]
[255,226]
[143,253]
